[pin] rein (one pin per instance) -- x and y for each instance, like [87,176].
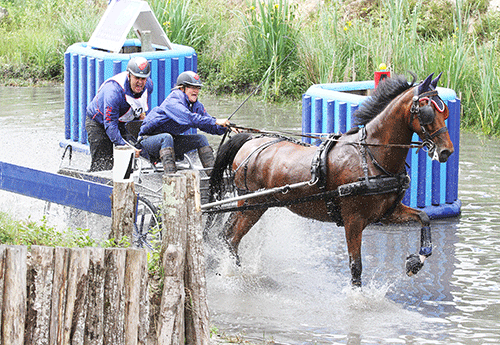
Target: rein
[413,145]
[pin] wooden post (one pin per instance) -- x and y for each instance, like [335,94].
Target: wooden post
[40,276]
[134,276]
[123,200]
[170,330]
[114,261]
[76,296]
[59,287]
[197,314]
[94,333]
[14,307]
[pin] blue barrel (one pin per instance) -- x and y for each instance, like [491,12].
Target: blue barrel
[328,108]
[86,68]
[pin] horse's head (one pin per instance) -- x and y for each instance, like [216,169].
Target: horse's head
[428,115]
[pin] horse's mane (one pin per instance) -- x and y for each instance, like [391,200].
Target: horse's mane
[386,91]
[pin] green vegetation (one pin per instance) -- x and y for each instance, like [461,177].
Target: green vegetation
[240,42]
[29,232]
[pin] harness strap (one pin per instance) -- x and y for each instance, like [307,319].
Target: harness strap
[256,151]
[439,131]
[377,185]
[319,173]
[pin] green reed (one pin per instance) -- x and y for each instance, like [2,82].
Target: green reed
[270,32]
[179,23]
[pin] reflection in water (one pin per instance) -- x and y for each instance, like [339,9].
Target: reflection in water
[293,286]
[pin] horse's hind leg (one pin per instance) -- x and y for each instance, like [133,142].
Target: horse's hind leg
[405,214]
[237,226]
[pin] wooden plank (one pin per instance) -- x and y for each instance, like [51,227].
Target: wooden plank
[40,276]
[170,330]
[95,298]
[196,309]
[114,261]
[76,294]
[136,264]
[14,302]
[59,287]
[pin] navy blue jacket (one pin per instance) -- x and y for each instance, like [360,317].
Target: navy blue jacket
[110,105]
[176,115]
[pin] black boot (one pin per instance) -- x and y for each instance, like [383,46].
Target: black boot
[168,161]
[207,158]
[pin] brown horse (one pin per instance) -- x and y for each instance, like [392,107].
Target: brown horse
[355,179]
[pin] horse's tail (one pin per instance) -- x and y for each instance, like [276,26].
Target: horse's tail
[223,161]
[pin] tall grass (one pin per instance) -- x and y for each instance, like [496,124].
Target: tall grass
[180,25]
[270,34]
[36,34]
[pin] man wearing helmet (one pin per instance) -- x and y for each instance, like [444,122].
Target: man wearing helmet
[162,129]
[120,99]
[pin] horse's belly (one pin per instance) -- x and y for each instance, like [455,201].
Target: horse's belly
[312,210]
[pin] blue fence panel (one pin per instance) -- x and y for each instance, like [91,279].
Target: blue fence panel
[63,190]
[86,69]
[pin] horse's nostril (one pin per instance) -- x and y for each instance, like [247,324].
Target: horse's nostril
[443,155]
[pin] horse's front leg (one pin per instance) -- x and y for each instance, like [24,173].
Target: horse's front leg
[404,214]
[353,232]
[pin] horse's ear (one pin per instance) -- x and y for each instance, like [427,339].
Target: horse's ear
[434,82]
[424,86]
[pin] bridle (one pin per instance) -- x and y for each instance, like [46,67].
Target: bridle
[426,116]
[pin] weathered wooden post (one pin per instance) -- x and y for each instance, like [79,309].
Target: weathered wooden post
[76,296]
[95,298]
[59,286]
[123,198]
[14,307]
[183,319]
[40,276]
[114,300]
[171,327]
[197,314]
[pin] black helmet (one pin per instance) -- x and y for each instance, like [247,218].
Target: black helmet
[139,67]
[189,78]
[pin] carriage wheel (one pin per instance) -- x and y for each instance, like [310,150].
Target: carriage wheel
[147,227]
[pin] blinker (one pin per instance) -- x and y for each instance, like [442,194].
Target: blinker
[426,114]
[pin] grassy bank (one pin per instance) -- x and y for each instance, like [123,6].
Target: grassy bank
[29,232]
[286,44]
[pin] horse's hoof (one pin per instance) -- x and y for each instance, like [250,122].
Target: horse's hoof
[413,264]
[237,260]
[355,283]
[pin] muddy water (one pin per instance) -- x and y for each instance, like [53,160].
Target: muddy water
[293,286]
